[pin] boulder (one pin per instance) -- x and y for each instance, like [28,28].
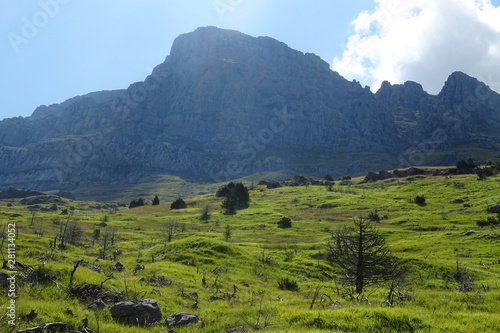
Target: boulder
[142,312]
[118,266]
[181,318]
[49,327]
[494,209]
[3,278]
[238,329]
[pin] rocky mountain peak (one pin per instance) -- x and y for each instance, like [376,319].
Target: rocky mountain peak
[223,105]
[459,85]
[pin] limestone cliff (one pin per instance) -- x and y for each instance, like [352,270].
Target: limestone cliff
[224,104]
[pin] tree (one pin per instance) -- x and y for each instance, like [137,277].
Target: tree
[170,228]
[136,203]
[363,255]
[329,178]
[236,197]
[178,204]
[229,205]
[156,201]
[205,212]
[284,223]
[228,232]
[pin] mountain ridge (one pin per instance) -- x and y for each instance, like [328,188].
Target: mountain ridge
[224,104]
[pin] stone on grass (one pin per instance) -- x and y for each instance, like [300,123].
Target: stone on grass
[142,312]
[181,318]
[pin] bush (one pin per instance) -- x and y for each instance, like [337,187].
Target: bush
[373,216]
[467,164]
[329,178]
[136,203]
[491,220]
[284,223]
[419,200]
[287,284]
[178,204]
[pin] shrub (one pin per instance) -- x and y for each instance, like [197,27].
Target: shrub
[373,216]
[284,223]
[467,164]
[491,220]
[178,204]
[419,200]
[136,203]
[287,284]
[329,178]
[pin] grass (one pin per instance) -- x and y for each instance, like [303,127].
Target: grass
[238,280]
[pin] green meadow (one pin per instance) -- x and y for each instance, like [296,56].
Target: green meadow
[234,263]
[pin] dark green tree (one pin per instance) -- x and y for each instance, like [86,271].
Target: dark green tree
[156,201]
[285,223]
[236,196]
[229,205]
[362,253]
[178,204]
[136,203]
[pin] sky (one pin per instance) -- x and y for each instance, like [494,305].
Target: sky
[52,50]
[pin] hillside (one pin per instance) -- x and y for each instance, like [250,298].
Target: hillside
[225,105]
[452,285]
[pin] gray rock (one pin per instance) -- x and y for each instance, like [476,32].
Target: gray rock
[181,319]
[494,209]
[3,278]
[143,312]
[238,329]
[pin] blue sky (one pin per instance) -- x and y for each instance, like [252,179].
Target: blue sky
[52,50]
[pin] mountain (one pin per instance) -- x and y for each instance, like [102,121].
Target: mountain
[224,104]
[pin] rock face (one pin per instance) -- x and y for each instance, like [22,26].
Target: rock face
[224,104]
[143,312]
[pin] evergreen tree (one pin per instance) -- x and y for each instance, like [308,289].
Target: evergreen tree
[156,201]
[236,197]
[178,204]
[136,203]
[363,255]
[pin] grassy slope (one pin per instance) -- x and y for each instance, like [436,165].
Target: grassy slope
[432,238]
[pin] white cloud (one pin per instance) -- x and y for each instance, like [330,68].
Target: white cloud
[424,41]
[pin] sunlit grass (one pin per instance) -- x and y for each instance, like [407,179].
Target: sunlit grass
[435,239]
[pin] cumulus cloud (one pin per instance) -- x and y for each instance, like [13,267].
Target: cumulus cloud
[423,41]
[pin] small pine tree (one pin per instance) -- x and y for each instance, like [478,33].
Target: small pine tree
[363,255]
[228,232]
[156,201]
